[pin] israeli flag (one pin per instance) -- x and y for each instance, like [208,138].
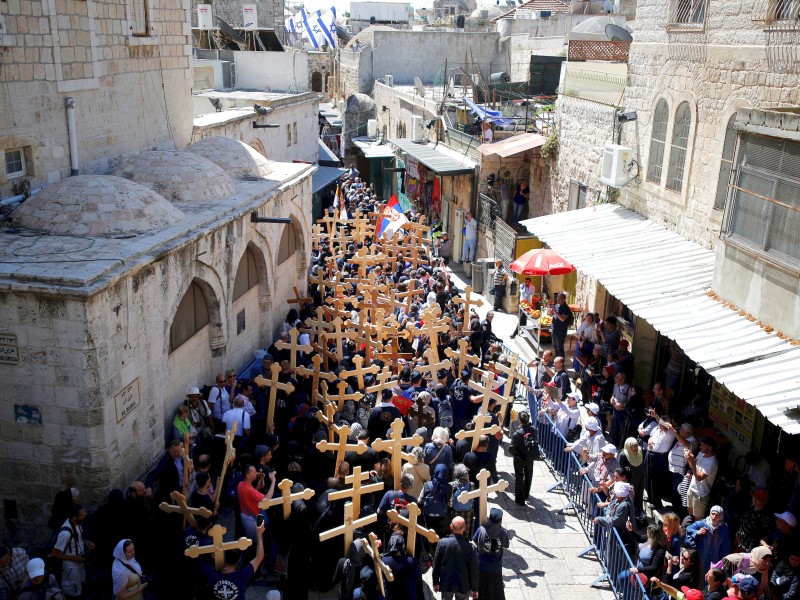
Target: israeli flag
[296,24]
[327,22]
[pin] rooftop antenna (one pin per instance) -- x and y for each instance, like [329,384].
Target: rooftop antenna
[419,86]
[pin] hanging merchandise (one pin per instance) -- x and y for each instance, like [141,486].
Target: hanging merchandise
[436,200]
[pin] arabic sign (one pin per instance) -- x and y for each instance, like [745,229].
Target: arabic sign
[127,399]
[9,349]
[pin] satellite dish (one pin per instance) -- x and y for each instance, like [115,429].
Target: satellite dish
[343,34]
[615,33]
[231,33]
[419,86]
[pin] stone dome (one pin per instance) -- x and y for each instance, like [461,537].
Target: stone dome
[359,103]
[236,158]
[97,205]
[178,176]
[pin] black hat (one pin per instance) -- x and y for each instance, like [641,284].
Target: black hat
[441,374]
[386,394]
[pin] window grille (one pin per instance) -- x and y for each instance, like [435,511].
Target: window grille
[680,141]
[764,207]
[778,13]
[688,14]
[725,164]
[658,140]
[15,163]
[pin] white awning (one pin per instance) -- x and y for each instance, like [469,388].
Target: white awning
[665,279]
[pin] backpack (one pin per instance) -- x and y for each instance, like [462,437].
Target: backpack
[531,445]
[445,413]
[459,487]
[54,565]
[399,503]
[570,320]
[574,433]
[435,506]
[491,546]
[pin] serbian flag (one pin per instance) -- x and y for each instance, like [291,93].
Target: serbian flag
[393,218]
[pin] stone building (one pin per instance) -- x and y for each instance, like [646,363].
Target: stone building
[269,12]
[142,273]
[320,68]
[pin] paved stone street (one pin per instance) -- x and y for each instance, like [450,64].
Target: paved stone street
[542,561]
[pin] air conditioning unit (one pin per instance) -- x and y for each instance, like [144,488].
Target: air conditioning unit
[389,79]
[417,128]
[615,165]
[372,128]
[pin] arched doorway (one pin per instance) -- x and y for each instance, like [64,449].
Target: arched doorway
[316,81]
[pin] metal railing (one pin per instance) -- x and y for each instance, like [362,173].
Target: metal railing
[605,542]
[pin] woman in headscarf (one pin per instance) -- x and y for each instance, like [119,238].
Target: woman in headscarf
[420,471]
[435,501]
[404,568]
[490,539]
[632,458]
[126,574]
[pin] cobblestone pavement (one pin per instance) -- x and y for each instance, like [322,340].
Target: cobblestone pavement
[542,560]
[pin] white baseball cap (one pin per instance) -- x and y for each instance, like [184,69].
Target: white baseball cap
[593,408]
[35,567]
[593,424]
[790,519]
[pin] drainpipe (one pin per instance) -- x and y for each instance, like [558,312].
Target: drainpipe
[69,104]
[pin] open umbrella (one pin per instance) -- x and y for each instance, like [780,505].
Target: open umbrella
[541,261]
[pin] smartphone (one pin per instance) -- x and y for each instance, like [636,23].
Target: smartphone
[259,520]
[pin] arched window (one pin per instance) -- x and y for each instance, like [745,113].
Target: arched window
[191,317]
[288,244]
[658,139]
[680,141]
[246,275]
[725,164]
[316,81]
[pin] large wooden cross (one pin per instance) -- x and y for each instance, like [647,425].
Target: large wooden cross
[381,568]
[414,258]
[394,445]
[363,335]
[293,347]
[325,416]
[362,227]
[316,374]
[480,421]
[218,546]
[298,299]
[185,456]
[408,296]
[182,506]
[343,396]
[360,370]
[348,527]
[317,235]
[356,478]
[385,380]
[512,377]
[341,447]
[363,258]
[338,335]
[412,527]
[286,498]
[431,326]
[316,326]
[434,364]
[486,390]
[482,493]
[395,355]
[320,281]
[274,385]
[468,301]
[462,355]
[230,455]
[330,222]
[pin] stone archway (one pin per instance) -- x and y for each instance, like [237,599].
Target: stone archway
[316,82]
[256,145]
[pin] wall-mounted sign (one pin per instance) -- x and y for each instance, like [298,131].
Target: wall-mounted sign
[9,349]
[250,16]
[205,18]
[732,414]
[127,399]
[25,414]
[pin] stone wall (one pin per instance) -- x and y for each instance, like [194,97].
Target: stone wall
[270,13]
[119,81]
[322,63]
[732,63]
[354,72]
[79,354]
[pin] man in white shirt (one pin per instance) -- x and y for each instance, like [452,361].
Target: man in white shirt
[239,416]
[705,467]
[658,447]
[470,239]
[219,399]
[589,445]
[527,290]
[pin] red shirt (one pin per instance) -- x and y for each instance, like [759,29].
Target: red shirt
[249,497]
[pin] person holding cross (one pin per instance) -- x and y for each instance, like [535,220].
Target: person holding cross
[232,581]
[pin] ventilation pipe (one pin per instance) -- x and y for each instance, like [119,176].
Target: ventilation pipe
[69,104]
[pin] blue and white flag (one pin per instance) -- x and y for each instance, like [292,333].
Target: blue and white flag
[327,22]
[319,28]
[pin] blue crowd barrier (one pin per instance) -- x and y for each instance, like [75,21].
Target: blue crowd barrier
[605,541]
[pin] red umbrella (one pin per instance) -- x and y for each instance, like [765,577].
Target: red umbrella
[541,261]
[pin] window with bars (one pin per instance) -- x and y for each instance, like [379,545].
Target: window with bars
[658,141]
[689,14]
[680,141]
[15,163]
[763,212]
[725,164]
[785,11]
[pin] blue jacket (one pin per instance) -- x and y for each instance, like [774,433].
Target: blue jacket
[455,565]
[712,546]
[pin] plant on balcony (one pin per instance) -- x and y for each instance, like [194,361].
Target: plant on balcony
[549,149]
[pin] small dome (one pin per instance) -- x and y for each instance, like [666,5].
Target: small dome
[96,205]
[178,176]
[236,158]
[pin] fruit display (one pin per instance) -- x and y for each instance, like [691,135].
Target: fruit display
[533,312]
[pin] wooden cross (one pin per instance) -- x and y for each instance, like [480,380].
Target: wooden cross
[360,370]
[343,396]
[361,229]
[230,454]
[274,385]
[364,258]
[482,493]
[293,347]
[316,326]
[414,258]
[431,327]
[434,364]
[358,490]
[341,447]
[512,376]
[381,568]
[185,456]
[412,526]
[383,381]
[325,416]
[320,281]
[395,355]
[347,528]
[480,421]
[394,445]
[317,235]
[329,221]
[338,335]
[182,506]
[286,498]
[409,296]
[299,299]
[487,390]
[468,303]
[462,355]
[363,335]
[316,374]
[218,546]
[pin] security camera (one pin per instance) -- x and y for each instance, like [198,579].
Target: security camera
[625,117]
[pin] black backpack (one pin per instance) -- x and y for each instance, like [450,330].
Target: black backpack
[445,413]
[531,445]
[570,319]
[435,505]
[574,433]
